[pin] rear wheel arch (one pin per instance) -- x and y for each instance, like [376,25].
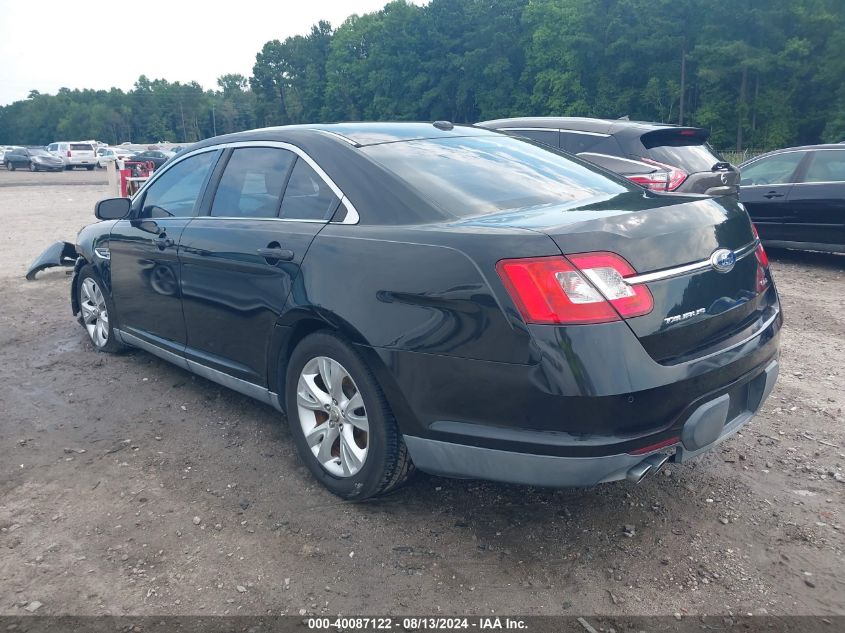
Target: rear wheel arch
[287,335]
[386,464]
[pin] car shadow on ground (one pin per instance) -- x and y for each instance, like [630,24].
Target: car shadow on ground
[833,261]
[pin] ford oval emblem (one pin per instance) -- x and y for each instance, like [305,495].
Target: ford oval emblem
[723,260]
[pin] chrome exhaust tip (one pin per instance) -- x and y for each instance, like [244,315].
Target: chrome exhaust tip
[637,472]
[656,462]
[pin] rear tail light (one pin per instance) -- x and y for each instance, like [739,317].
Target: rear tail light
[68,153]
[762,262]
[657,181]
[668,180]
[607,272]
[585,288]
[760,252]
[761,256]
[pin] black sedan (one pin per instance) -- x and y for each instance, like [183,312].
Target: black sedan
[796,197]
[441,297]
[154,156]
[34,159]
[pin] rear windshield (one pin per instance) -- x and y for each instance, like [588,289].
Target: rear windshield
[467,176]
[80,147]
[689,157]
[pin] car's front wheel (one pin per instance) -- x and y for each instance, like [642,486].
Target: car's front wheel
[340,420]
[95,308]
[10,166]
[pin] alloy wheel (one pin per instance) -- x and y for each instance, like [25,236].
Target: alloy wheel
[333,418]
[95,315]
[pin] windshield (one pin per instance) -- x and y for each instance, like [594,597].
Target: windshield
[467,176]
[38,152]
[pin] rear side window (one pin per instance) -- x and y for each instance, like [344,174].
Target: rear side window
[252,183]
[546,137]
[81,147]
[826,166]
[575,142]
[774,170]
[174,194]
[307,196]
[467,176]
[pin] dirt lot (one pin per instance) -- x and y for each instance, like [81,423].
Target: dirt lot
[128,486]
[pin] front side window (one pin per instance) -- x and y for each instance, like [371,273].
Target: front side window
[307,196]
[466,176]
[826,166]
[775,170]
[251,186]
[174,194]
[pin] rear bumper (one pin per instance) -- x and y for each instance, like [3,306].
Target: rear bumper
[708,424]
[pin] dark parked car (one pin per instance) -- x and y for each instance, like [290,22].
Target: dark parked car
[32,158]
[796,197]
[657,156]
[155,156]
[444,297]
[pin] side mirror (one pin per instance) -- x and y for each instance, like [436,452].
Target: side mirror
[112,208]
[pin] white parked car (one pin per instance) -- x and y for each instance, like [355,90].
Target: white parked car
[110,154]
[74,154]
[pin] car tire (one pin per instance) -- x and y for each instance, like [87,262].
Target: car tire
[96,311]
[360,452]
[10,167]
[68,167]
[89,167]
[33,167]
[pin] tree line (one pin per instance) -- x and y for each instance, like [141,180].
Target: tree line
[756,73]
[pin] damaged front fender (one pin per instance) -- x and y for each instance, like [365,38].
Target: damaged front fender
[57,254]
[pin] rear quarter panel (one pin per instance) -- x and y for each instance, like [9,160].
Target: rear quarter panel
[420,290]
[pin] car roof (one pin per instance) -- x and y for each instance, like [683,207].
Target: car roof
[357,134]
[581,124]
[798,148]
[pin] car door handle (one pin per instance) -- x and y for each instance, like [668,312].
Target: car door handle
[162,241]
[772,194]
[276,253]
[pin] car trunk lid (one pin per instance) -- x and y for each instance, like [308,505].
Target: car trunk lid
[669,241]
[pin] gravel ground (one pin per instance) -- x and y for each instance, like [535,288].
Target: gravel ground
[128,486]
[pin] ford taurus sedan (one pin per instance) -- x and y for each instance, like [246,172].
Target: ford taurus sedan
[441,297]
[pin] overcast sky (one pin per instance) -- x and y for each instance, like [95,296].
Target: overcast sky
[99,44]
